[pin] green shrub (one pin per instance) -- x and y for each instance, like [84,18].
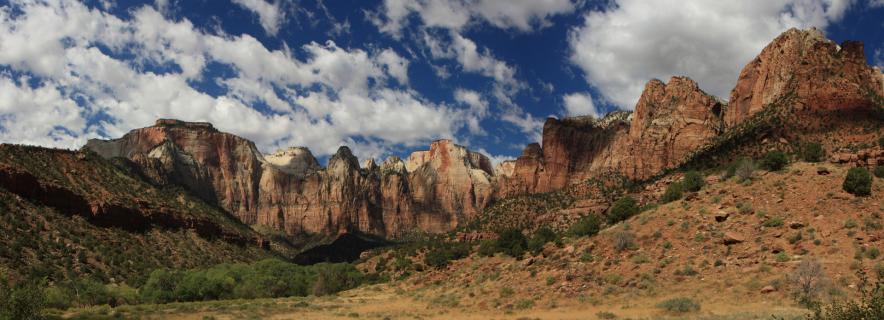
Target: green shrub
[774,160]
[512,242]
[881,142]
[693,181]
[858,182]
[268,278]
[773,222]
[488,248]
[440,256]
[679,305]
[622,209]
[879,172]
[812,152]
[587,226]
[673,192]
[543,235]
[21,302]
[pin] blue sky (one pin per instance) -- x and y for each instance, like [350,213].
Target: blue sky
[384,77]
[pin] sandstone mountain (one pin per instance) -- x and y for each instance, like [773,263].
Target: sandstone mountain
[433,191]
[441,188]
[800,73]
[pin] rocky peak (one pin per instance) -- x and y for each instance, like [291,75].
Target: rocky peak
[393,164]
[443,153]
[813,69]
[298,161]
[670,120]
[175,123]
[343,161]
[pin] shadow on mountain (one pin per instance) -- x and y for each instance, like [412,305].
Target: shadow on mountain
[346,248]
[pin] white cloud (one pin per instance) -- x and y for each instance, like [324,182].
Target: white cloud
[621,48]
[478,108]
[331,97]
[269,14]
[521,15]
[579,104]
[876,3]
[396,65]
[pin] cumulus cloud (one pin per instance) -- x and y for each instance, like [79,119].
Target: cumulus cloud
[269,14]
[65,84]
[521,15]
[632,41]
[441,25]
[396,65]
[579,104]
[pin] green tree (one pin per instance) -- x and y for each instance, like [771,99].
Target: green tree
[512,242]
[24,301]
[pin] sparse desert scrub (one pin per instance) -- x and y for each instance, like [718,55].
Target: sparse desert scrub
[679,305]
[858,182]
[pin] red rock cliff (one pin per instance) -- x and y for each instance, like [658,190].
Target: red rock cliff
[820,73]
[288,190]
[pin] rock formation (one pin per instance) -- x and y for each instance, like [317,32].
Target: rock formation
[670,121]
[440,188]
[820,73]
[288,190]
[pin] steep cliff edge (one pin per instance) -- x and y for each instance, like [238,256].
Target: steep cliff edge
[810,89]
[433,191]
[670,121]
[821,74]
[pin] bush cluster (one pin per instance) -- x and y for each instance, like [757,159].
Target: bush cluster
[24,301]
[588,225]
[858,182]
[441,255]
[622,209]
[541,237]
[812,152]
[679,305]
[511,242]
[774,160]
[693,181]
[264,279]
[673,192]
[879,172]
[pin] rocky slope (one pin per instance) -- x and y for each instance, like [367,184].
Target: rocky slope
[66,213]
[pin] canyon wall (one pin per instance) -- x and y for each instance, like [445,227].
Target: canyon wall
[443,187]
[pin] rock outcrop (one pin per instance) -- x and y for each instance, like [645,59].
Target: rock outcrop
[670,121]
[288,190]
[818,72]
[219,167]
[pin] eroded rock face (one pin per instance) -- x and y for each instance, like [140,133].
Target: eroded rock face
[816,70]
[231,164]
[288,190]
[669,122]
